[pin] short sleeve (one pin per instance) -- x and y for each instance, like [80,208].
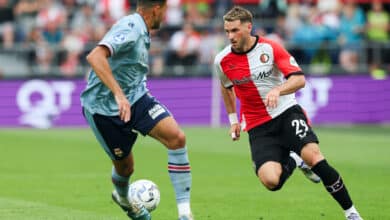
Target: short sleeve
[120,38]
[224,79]
[284,61]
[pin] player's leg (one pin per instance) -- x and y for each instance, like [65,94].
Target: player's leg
[331,179]
[159,124]
[306,169]
[117,141]
[302,139]
[272,162]
[168,132]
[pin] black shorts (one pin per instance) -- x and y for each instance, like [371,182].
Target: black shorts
[274,140]
[117,137]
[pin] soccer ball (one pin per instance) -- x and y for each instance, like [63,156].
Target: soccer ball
[145,192]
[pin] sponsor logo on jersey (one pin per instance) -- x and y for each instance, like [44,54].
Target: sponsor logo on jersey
[244,80]
[156,111]
[253,77]
[261,74]
[264,58]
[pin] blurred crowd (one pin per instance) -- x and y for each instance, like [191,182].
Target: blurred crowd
[52,37]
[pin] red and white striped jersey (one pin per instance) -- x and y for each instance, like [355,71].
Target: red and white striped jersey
[253,74]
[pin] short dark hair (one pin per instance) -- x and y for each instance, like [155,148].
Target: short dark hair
[150,2]
[238,13]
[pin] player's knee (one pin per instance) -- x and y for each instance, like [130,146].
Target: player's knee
[311,154]
[178,141]
[270,183]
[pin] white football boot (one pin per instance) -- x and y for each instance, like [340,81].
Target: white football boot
[135,211]
[305,168]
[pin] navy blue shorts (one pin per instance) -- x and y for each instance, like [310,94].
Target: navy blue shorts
[274,140]
[117,137]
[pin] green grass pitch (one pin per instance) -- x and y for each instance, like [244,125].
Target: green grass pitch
[63,174]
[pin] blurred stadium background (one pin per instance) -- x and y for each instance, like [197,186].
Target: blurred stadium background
[342,45]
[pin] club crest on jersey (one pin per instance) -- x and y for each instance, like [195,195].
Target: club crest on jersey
[119,37]
[264,58]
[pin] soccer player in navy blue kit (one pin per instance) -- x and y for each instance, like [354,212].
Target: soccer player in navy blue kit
[116,103]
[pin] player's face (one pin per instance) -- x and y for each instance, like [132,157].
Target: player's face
[159,14]
[238,34]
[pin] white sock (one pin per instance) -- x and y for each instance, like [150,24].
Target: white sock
[351,210]
[184,208]
[298,159]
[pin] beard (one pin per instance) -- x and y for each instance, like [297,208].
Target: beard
[156,25]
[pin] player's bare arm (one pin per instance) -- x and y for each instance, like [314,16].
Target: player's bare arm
[229,99]
[97,58]
[291,85]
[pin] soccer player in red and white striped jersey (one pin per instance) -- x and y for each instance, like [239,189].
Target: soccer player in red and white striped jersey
[264,77]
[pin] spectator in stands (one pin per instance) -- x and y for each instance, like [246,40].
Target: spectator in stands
[6,24]
[378,26]
[86,23]
[197,11]
[174,15]
[41,55]
[351,36]
[272,8]
[71,6]
[308,37]
[293,20]
[112,10]
[51,21]
[183,48]
[213,40]
[26,12]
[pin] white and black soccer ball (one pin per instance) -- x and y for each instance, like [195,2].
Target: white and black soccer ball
[145,192]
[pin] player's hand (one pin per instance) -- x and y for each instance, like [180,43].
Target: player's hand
[235,130]
[124,107]
[272,98]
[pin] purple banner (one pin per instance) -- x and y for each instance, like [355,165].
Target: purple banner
[327,100]
[354,99]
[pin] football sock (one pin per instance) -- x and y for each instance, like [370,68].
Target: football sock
[333,183]
[121,183]
[180,174]
[287,169]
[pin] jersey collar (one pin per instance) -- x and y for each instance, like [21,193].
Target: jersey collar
[250,49]
[143,21]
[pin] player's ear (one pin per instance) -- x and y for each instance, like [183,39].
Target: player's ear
[156,10]
[250,26]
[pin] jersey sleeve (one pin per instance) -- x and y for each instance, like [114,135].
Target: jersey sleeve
[284,61]
[224,79]
[120,38]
